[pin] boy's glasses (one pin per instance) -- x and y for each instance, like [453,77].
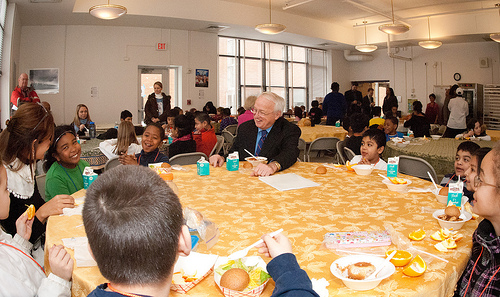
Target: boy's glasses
[478,182]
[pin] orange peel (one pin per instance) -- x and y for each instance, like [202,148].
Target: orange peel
[417,235]
[30,211]
[416,267]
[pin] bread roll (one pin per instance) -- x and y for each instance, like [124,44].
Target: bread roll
[444,191]
[321,170]
[235,279]
[247,165]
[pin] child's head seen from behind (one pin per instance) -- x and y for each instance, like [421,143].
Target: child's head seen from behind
[372,145]
[359,122]
[463,157]
[135,231]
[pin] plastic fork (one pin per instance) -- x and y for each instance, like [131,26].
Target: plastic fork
[242,253]
[373,275]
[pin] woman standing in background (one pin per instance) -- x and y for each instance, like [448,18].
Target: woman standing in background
[157,106]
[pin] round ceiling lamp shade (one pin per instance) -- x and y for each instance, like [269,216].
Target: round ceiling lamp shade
[107,11]
[270,29]
[495,37]
[366,48]
[394,29]
[430,44]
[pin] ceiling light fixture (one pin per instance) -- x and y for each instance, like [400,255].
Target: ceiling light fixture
[430,44]
[270,28]
[107,11]
[394,29]
[366,48]
[495,37]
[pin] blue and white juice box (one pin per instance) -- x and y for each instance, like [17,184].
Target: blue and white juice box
[203,167]
[233,162]
[455,193]
[89,176]
[392,167]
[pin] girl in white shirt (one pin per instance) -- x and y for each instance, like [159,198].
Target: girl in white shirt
[126,143]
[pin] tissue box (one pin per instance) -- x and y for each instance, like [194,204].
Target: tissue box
[88,177]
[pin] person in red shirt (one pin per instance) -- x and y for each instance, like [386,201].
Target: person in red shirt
[204,133]
[22,93]
[432,110]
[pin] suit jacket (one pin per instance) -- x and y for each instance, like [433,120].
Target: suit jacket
[280,145]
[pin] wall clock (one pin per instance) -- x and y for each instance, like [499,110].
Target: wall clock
[457,76]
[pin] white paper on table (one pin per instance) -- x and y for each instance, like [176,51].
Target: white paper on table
[77,210]
[422,190]
[195,263]
[288,181]
[319,286]
[82,254]
[79,201]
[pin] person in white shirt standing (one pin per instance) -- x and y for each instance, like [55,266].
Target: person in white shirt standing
[459,110]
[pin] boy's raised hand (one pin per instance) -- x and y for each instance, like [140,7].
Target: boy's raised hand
[127,159]
[275,246]
[60,262]
[23,226]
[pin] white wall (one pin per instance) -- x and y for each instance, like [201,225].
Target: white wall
[427,68]
[93,56]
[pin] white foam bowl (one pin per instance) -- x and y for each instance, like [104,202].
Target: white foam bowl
[363,169]
[436,137]
[361,285]
[403,144]
[456,225]
[256,161]
[397,187]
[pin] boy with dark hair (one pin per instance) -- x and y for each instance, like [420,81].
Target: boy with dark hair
[126,116]
[376,120]
[462,162]
[372,146]
[135,231]
[358,123]
[315,114]
[390,127]
[171,114]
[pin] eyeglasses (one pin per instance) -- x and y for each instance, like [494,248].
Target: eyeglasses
[260,112]
[43,118]
[478,182]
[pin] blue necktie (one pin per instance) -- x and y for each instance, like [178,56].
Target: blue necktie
[261,142]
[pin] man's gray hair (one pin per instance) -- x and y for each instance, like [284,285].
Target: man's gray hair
[279,102]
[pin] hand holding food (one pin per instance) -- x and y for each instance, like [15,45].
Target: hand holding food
[127,159]
[24,226]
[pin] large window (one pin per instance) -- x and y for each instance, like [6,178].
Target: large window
[249,67]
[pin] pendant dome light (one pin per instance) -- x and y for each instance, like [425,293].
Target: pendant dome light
[365,48]
[107,11]
[394,29]
[270,28]
[430,44]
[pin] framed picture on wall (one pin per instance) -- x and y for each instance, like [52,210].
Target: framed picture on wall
[201,78]
[410,105]
[45,81]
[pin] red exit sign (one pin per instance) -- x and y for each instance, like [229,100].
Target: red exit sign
[161,46]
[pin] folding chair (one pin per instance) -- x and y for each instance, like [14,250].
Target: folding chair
[187,158]
[322,144]
[111,163]
[217,146]
[302,147]
[349,154]
[417,167]
[341,157]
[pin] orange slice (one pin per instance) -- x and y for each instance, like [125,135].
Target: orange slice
[401,258]
[437,236]
[449,243]
[349,165]
[30,211]
[440,247]
[397,180]
[457,237]
[417,267]
[417,235]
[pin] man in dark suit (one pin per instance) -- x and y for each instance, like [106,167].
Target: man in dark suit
[268,135]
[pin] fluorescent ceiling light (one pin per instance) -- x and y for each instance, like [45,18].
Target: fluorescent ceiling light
[495,37]
[430,44]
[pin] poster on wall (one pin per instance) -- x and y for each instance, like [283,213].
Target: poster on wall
[45,81]
[410,105]
[201,78]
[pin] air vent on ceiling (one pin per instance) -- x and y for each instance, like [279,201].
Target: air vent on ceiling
[326,44]
[214,28]
[45,1]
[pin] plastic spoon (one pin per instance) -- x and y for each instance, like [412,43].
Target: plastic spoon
[250,153]
[242,253]
[385,177]
[433,182]
[373,275]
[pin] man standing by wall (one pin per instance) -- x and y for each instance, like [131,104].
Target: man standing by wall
[22,93]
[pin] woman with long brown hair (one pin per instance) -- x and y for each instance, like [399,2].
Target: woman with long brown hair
[27,137]
[82,119]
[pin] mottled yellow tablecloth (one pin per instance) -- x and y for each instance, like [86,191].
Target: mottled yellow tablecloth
[495,134]
[244,208]
[311,133]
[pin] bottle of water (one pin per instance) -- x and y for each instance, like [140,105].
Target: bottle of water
[169,178]
[92,130]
